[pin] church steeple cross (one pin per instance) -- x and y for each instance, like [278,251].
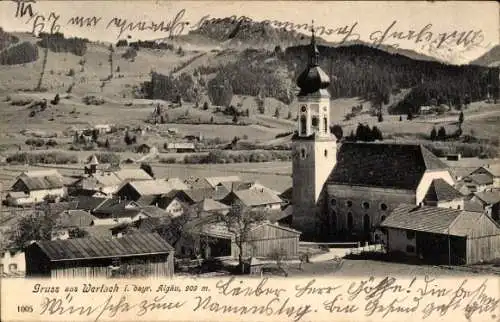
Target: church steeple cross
[314,52]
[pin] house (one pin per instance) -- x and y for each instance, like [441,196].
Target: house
[214,181]
[209,206]
[197,183]
[478,182]
[147,191]
[254,199]
[491,170]
[174,207]
[287,195]
[486,198]
[68,222]
[459,173]
[282,217]
[114,211]
[101,257]
[34,187]
[103,128]
[185,147]
[87,203]
[442,236]
[12,263]
[442,194]
[263,239]
[193,196]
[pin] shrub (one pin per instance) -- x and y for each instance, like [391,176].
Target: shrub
[35,142]
[130,53]
[169,160]
[58,43]
[71,72]
[43,157]
[107,157]
[93,100]
[20,100]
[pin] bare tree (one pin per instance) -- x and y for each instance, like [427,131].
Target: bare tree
[239,221]
[44,63]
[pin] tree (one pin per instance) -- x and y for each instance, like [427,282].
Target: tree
[380,118]
[433,134]
[410,115]
[239,221]
[44,63]
[33,227]
[337,131]
[289,116]
[277,113]
[95,135]
[128,138]
[106,144]
[56,100]
[211,119]
[235,118]
[205,106]
[376,134]
[461,118]
[400,118]
[441,135]
[77,232]
[220,90]
[148,169]
[110,60]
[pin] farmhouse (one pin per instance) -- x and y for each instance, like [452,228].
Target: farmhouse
[12,263]
[97,257]
[442,194]
[254,199]
[478,182]
[147,191]
[185,147]
[34,187]
[114,211]
[174,207]
[491,170]
[486,198]
[442,236]
[68,221]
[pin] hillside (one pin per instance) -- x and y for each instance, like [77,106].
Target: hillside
[490,59]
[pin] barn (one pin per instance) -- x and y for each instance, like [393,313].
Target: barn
[133,255]
[442,236]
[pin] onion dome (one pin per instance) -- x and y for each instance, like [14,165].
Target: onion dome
[313,78]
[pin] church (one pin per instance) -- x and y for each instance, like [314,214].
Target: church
[342,191]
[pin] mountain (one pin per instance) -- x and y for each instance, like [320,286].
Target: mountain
[491,58]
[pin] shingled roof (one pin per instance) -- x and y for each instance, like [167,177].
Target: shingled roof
[440,190]
[432,220]
[385,165]
[46,180]
[104,247]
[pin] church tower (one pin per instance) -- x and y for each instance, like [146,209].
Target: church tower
[314,147]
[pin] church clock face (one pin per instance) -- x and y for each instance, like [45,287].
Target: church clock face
[303,108]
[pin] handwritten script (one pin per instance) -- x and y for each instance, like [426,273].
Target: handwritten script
[373,297]
[177,23]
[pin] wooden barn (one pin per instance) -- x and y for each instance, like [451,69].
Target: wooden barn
[264,239]
[134,255]
[442,236]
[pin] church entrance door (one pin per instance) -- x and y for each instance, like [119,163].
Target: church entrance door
[366,226]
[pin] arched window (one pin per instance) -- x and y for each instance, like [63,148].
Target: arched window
[326,153]
[382,218]
[366,205]
[383,207]
[350,221]
[325,124]
[303,153]
[334,220]
[366,223]
[349,203]
[303,125]
[333,202]
[315,121]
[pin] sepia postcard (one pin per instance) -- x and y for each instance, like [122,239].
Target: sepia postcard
[249,161]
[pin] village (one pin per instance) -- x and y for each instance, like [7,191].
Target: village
[109,186]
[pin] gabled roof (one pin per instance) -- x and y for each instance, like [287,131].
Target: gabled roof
[252,197]
[88,203]
[488,197]
[154,212]
[473,205]
[155,187]
[197,182]
[479,178]
[116,207]
[209,204]
[432,220]
[385,165]
[102,247]
[34,180]
[213,181]
[132,174]
[103,231]
[197,195]
[440,190]
[74,218]
[287,194]
[493,169]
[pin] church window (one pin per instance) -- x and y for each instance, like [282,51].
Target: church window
[325,123]
[410,234]
[348,203]
[315,121]
[326,153]
[366,223]
[383,207]
[303,153]
[334,220]
[333,202]
[12,268]
[350,221]
[303,125]
[366,205]
[382,218]
[303,108]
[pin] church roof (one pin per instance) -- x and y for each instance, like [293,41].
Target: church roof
[397,166]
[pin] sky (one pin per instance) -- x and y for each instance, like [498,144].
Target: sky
[456,32]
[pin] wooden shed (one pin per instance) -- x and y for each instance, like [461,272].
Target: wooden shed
[443,236]
[134,255]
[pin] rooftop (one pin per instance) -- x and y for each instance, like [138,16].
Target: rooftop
[440,190]
[104,247]
[385,165]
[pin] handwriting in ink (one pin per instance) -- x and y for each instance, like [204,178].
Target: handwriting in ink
[231,288]
[387,284]
[59,306]
[80,21]
[395,306]
[23,8]
[275,307]
[174,27]
[310,289]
